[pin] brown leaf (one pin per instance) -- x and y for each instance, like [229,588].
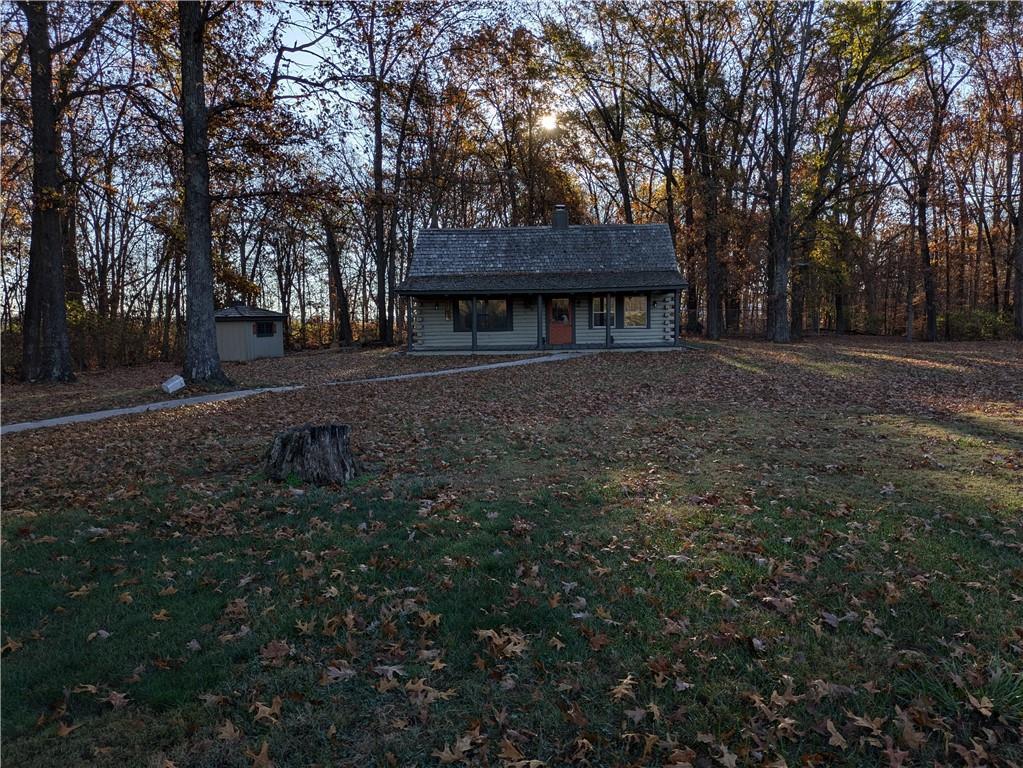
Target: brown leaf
[260,759]
[63,730]
[626,689]
[115,699]
[509,751]
[268,715]
[228,732]
[275,653]
[836,740]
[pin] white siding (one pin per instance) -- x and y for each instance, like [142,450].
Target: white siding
[237,341]
[661,330]
[231,341]
[267,346]
[433,327]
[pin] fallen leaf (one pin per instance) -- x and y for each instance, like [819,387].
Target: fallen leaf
[63,730]
[260,759]
[228,732]
[509,751]
[836,740]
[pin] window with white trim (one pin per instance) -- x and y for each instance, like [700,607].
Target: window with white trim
[599,306]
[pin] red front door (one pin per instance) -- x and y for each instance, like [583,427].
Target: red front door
[559,320]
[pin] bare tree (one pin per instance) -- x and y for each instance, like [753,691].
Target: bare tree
[202,360]
[46,349]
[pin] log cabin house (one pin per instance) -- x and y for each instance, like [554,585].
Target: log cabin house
[543,288]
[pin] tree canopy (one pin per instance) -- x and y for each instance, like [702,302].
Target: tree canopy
[824,166]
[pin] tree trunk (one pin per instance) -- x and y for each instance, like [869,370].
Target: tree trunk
[930,300]
[380,250]
[911,276]
[46,349]
[798,307]
[692,298]
[318,454]
[782,260]
[841,314]
[1017,256]
[769,292]
[344,319]
[202,361]
[622,175]
[711,235]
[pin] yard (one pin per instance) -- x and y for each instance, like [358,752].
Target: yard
[742,555]
[140,384]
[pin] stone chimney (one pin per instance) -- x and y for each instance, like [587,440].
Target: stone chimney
[560,219]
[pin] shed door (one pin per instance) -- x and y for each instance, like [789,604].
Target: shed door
[559,320]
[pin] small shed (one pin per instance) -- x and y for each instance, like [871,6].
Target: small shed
[248,333]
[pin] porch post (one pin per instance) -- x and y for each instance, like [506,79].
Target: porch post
[677,312]
[408,323]
[473,300]
[539,321]
[607,321]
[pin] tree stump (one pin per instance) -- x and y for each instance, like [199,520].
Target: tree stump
[316,453]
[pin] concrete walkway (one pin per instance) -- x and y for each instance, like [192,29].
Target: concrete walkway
[184,402]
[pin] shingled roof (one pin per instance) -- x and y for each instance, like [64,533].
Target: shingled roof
[242,312]
[528,259]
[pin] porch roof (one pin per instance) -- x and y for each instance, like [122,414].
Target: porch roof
[532,283]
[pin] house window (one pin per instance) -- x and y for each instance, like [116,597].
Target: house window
[599,307]
[265,328]
[463,316]
[491,315]
[636,312]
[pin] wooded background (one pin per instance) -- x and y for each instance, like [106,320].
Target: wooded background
[822,166]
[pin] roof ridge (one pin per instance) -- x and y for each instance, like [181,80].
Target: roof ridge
[542,228]
[639,270]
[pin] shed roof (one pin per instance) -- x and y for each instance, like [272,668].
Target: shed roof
[527,259]
[242,312]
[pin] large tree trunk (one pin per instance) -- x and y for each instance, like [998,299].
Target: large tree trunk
[202,361]
[384,332]
[1017,256]
[930,299]
[798,308]
[911,276]
[782,260]
[711,235]
[46,349]
[622,174]
[692,297]
[344,318]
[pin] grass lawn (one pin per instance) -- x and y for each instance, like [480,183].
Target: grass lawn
[747,555]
